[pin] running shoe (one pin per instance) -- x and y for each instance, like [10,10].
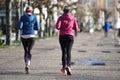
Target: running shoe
[27,70]
[68,71]
[63,70]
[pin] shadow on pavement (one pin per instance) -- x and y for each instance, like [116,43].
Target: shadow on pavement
[11,73]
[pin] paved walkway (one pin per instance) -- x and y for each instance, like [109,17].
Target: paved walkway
[94,57]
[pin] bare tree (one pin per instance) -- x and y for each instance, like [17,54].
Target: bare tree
[2,4]
[47,4]
[17,5]
[8,21]
[95,14]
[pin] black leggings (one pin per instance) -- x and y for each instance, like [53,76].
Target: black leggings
[66,43]
[27,45]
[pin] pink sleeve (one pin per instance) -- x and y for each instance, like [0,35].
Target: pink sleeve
[75,25]
[58,24]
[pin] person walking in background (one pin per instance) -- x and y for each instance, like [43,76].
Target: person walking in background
[28,24]
[117,33]
[106,28]
[66,24]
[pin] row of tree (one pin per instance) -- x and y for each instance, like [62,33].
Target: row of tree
[16,4]
[10,4]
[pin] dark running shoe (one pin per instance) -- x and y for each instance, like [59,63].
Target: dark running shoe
[27,70]
[68,71]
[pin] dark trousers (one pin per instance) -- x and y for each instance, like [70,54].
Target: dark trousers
[66,43]
[106,33]
[27,45]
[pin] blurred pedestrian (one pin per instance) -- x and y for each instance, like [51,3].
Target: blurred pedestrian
[28,24]
[66,24]
[117,27]
[106,28]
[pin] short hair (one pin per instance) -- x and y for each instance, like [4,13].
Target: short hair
[66,9]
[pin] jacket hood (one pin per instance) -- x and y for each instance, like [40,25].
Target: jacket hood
[68,16]
[29,17]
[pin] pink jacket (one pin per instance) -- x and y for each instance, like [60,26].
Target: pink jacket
[67,24]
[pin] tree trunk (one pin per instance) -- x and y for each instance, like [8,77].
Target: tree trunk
[29,2]
[8,22]
[17,19]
